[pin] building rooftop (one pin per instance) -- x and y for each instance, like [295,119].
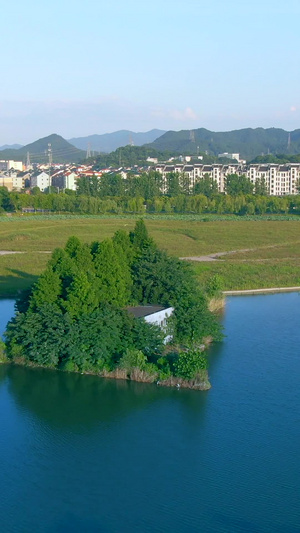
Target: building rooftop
[139,311]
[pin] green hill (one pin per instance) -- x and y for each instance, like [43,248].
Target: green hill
[62,151]
[249,143]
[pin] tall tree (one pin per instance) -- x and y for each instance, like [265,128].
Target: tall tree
[235,184]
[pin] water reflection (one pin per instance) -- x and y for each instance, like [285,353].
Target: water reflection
[73,400]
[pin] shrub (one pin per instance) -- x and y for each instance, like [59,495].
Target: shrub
[190,363]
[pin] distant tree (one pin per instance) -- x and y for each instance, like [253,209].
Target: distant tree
[207,186]
[173,184]
[87,186]
[5,200]
[35,190]
[235,184]
[70,192]
[140,237]
[185,183]
[261,187]
[111,185]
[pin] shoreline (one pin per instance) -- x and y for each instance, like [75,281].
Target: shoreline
[199,383]
[260,291]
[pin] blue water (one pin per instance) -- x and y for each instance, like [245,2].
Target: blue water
[80,453]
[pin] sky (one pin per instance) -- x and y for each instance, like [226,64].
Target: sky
[78,68]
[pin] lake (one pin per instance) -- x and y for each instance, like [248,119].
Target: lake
[81,453]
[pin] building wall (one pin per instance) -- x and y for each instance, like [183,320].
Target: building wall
[70,181]
[160,319]
[42,181]
[8,164]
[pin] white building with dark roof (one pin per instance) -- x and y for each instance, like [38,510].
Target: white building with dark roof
[153,314]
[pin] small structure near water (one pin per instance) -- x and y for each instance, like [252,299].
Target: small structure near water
[153,314]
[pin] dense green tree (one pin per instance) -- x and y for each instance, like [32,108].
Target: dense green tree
[112,274]
[173,184]
[5,200]
[206,185]
[140,237]
[47,290]
[111,185]
[235,184]
[261,187]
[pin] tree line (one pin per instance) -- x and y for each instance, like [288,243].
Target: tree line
[140,194]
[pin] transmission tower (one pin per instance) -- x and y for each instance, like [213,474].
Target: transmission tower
[88,152]
[131,143]
[28,161]
[49,151]
[192,136]
[50,162]
[289,141]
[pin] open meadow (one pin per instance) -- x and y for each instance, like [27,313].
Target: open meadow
[272,258]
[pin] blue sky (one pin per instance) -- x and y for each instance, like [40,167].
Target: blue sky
[77,68]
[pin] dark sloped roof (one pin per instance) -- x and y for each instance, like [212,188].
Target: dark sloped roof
[140,311]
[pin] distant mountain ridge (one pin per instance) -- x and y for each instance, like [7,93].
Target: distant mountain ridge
[248,142]
[62,151]
[11,147]
[109,142]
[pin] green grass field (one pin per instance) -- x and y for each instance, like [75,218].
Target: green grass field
[274,259]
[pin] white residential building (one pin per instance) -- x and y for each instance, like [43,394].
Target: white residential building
[12,182]
[6,164]
[280,180]
[43,181]
[70,181]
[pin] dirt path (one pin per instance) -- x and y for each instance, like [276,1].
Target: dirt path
[9,252]
[215,257]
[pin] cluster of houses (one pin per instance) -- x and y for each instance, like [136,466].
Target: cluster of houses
[279,180]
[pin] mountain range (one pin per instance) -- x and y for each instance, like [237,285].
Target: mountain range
[108,142]
[11,147]
[248,142]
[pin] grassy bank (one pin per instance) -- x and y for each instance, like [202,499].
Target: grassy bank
[273,258]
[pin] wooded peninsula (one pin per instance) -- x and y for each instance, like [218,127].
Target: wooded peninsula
[76,317]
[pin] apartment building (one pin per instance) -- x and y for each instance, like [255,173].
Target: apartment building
[280,180]
[42,180]
[12,182]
